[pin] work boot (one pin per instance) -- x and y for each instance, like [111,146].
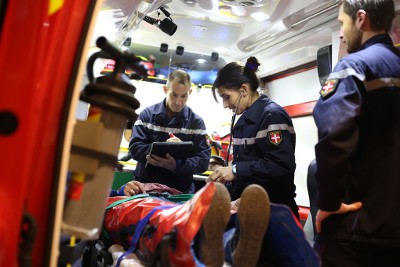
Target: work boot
[213,226]
[253,219]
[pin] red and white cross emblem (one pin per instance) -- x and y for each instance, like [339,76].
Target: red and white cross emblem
[275,137]
[328,88]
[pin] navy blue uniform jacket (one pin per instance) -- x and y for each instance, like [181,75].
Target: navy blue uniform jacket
[153,125]
[264,146]
[358,152]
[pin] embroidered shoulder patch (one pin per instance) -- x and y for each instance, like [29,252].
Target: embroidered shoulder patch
[329,87]
[275,137]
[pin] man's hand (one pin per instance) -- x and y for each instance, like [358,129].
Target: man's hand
[222,175]
[344,208]
[133,188]
[168,162]
[173,138]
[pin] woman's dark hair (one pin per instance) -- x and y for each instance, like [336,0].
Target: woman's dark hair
[380,12]
[234,74]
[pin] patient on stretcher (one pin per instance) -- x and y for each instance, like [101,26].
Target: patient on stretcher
[135,187]
[206,230]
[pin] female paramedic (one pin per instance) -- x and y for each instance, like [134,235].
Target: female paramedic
[263,137]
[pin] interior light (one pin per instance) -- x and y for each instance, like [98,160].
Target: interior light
[221,49]
[259,16]
[136,35]
[239,11]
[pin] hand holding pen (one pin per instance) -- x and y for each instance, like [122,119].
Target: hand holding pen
[173,138]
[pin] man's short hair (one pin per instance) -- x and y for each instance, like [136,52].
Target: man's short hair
[380,12]
[180,76]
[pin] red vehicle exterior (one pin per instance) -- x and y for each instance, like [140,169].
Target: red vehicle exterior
[40,45]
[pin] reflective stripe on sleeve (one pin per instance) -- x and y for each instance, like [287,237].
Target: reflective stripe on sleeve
[343,74]
[372,85]
[263,134]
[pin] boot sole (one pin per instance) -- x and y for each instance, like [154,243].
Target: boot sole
[213,226]
[253,214]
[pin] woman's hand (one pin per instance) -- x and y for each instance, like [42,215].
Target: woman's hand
[222,175]
[235,205]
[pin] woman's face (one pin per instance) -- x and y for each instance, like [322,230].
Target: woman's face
[232,99]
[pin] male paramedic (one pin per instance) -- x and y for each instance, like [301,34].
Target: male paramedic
[358,151]
[173,121]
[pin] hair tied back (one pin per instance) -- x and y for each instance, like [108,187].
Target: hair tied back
[252,64]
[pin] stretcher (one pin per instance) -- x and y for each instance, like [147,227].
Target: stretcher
[131,260]
[94,254]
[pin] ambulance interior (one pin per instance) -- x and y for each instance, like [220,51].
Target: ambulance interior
[297,43]
[284,35]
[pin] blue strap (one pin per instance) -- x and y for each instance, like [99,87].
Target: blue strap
[138,231]
[120,191]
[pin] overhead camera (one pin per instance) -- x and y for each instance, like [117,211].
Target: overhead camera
[166,25]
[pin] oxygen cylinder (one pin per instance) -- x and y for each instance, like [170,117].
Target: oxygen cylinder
[96,141]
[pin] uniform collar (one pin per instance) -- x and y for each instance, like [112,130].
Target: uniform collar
[161,109]
[253,112]
[380,38]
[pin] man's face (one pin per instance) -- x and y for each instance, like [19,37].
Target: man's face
[177,96]
[351,36]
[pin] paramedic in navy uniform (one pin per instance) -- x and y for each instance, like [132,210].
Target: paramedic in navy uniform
[264,139]
[158,123]
[358,152]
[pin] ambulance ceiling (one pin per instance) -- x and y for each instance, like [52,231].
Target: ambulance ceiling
[232,28]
